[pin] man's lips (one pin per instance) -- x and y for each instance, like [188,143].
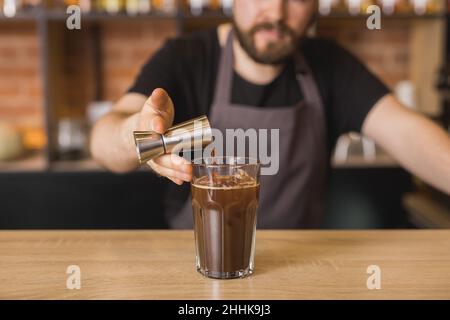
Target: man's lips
[271,34]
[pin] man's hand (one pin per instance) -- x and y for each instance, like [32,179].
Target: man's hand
[157,115]
[112,143]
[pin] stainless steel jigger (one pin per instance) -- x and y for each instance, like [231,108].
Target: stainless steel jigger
[186,136]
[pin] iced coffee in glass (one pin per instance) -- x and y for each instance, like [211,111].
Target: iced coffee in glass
[225,193]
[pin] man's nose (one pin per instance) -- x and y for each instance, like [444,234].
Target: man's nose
[276,9]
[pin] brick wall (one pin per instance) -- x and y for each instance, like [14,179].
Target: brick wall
[127,45]
[386,52]
[125,48]
[20,83]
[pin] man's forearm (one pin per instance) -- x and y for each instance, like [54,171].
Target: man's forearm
[428,153]
[112,142]
[416,142]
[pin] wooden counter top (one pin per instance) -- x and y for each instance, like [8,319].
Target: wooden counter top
[289,265]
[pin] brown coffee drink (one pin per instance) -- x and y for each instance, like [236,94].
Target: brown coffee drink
[225,221]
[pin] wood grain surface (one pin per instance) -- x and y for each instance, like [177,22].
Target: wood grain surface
[289,265]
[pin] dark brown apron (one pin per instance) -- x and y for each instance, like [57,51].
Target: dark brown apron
[293,198]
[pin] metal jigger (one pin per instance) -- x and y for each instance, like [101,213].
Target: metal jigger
[187,136]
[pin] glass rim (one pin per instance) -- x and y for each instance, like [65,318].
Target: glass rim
[247,162]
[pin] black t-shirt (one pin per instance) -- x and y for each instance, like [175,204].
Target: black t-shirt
[187,68]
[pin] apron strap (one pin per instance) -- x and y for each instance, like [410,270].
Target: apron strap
[224,77]
[307,83]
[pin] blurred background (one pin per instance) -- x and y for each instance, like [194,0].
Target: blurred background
[55,83]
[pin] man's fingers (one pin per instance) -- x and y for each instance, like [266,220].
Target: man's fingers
[173,179]
[149,121]
[175,162]
[158,99]
[170,173]
[176,181]
[158,125]
[158,112]
[164,167]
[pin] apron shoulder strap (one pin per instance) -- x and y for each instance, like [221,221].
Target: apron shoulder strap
[225,72]
[306,81]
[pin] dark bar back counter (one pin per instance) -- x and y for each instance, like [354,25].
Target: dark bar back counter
[358,198]
[81,200]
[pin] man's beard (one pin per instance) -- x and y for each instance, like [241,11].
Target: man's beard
[274,53]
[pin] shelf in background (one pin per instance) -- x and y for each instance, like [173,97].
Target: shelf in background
[38,162]
[33,163]
[388,17]
[359,161]
[58,15]
[206,15]
[31,15]
[426,211]
[75,166]
[382,161]
[84,165]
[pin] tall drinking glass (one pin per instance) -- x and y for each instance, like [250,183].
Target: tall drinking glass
[225,194]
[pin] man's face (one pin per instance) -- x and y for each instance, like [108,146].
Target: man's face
[269,30]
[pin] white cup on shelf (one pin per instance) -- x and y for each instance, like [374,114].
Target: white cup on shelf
[406,94]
